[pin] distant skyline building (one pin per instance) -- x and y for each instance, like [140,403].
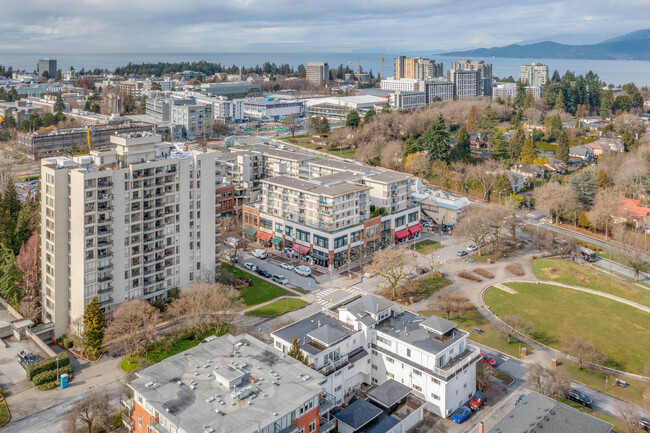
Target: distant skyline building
[483,77]
[505,90]
[440,88]
[465,82]
[417,68]
[534,74]
[48,65]
[318,72]
[404,85]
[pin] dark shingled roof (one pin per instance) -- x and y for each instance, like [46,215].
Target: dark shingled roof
[537,413]
[389,393]
[358,414]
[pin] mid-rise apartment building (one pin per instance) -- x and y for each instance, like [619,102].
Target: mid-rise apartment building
[318,73]
[130,222]
[534,74]
[417,68]
[133,88]
[403,84]
[402,100]
[505,90]
[47,65]
[438,88]
[465,82]
[233,89]
[196,119]
[368,340]
[484,74]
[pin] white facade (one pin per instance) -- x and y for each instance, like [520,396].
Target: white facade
[196,119]
[404,84]
[407,100]
[534,74]
[466,83]
[505,90]
[264,109]
[124,224]
[318,72]
[484,76]
[442,89]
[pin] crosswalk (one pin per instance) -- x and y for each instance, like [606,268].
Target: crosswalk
[326,297]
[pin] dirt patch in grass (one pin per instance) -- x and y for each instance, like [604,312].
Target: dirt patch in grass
[552,273]
[484,273]
[515,270]
[469,276]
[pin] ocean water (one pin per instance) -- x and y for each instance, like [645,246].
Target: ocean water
[610,71]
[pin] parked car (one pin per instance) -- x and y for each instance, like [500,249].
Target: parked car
[579,397]
[461,253]
[250,266]
[472,248]
[281,279]
[644,423]
[461,414]
[282,146]
[521,397]
[287,266]
[263,272]
[260,254]
[303,270]
[25,358]
[448,227]
[487,359]
[477,400]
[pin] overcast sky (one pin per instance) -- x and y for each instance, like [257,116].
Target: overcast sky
[158,26]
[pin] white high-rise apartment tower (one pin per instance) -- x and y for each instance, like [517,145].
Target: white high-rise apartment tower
[318,72]
[534,74]
[131,222]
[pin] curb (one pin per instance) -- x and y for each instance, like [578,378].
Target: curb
[4,400]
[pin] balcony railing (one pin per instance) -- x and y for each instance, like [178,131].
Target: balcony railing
[127,422]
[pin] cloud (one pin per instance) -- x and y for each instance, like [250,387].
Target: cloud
[139,26]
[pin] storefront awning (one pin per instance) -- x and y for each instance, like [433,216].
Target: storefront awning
[300,248]
[402,233]
[277,240]
[249,231]
[416,228]
[264,236]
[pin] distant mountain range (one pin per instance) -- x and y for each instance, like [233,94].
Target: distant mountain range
[631,46]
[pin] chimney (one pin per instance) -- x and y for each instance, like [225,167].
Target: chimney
[481,428]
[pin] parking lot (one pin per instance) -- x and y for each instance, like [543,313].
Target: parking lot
[272,265]
[12,374]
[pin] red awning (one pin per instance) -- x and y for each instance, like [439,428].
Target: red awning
[264,236]
[416,228]
[300,248]
[402,233]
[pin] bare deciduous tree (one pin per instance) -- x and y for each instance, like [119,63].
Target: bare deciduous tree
[133,327]
[93,412]
[629,416]
[565,245]
[475,226]
[483,373]
[560,200]
[600,215]
[632,247]
[485,175]
[202,303]
[514,321]
[452,304]
[631,178]
[548,382]
[392,265]
[231,228]
[583,351]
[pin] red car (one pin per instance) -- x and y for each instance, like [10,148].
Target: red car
[478,400]
[487,359]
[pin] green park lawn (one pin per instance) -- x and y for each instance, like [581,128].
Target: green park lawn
[620,331]
[261,290]
[305,141]
[427,246]
[278,307]
[562,271]
[4,413]
[491,337]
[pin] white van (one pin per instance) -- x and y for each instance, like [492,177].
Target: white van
[260,254]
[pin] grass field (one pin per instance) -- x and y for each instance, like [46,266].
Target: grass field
[278,307]
[159,351]
[576,275]
[491,337]
[620,331]
[304,141]
[427,246]
[261,290]
[4,413]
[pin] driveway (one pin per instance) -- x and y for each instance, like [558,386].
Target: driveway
[12,374]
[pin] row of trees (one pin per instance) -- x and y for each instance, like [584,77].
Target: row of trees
[208,68]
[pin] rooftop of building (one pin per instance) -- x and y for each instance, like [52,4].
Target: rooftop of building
[364,307]
[291,155]
[93,129]
[352,101]
[189,389]
[315,187]
[421,332]
[312,330]
[540,413]
[269,101]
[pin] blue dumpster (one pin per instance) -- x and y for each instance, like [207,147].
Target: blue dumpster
[64,380]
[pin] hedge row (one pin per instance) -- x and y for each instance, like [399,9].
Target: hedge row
[50,375]
[46,365]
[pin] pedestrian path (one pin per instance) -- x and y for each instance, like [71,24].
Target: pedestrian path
[329,296]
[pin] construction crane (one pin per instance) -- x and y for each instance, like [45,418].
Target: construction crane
[359,63]
[88,139]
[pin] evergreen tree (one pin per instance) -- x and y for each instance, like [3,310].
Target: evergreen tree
[295,351]
[352,119]
[559,102]
[435,140]
[517,143]
[520,97]
[563,146]
[529,101]
[553,127]
[471,120]
[602,180]
[500,146]
[369,115]
[59,76]
[94,328]
[486,126]
[9,276]
[516,119]
[411,145]
[528,152]
[461,150]
[628,140]
[606,102]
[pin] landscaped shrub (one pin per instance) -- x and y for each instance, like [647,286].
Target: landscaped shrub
[46,364]
[50,375]
[484,273]
[470,277]
[515,269]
